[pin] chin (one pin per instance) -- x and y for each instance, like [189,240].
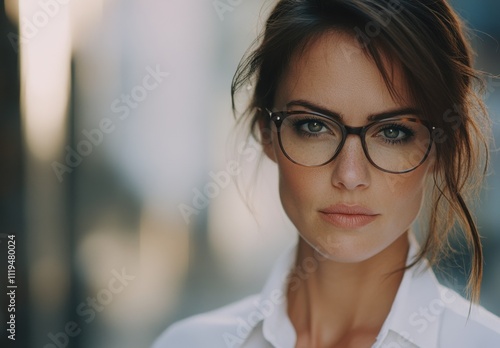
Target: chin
[334,249]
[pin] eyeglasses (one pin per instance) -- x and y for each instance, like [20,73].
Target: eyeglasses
[394,145]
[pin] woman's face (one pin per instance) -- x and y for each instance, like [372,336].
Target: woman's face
[347,209]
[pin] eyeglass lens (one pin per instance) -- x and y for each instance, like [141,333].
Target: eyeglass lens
[394,145]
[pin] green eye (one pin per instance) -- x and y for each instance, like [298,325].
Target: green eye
[314,127]
[392,133]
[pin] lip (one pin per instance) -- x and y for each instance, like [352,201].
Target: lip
[347,216]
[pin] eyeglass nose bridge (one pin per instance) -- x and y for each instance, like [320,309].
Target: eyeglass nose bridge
[359,131]
[354,130]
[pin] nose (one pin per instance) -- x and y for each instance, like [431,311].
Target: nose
[351,169]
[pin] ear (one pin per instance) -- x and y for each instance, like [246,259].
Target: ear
[266,138]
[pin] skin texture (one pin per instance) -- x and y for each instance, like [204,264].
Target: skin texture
[346,300]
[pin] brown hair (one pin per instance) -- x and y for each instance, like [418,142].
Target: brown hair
[427,39]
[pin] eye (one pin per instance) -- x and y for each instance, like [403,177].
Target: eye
[394,133]
[312,126]
[308,126]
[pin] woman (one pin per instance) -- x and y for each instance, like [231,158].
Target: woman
[369,109]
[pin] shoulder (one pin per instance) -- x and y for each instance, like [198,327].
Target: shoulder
[208,329]
[466,325]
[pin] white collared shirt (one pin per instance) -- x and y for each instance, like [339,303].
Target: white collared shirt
[424,314]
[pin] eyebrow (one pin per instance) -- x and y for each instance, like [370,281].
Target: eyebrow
[339,117]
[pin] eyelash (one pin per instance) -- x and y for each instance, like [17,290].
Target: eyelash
[297,124]
[409,133]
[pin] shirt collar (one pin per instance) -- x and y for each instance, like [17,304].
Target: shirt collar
[277,327]
[413,321]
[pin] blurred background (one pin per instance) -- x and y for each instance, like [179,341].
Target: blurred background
[118,160]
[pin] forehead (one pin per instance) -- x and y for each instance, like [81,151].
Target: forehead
[333,71]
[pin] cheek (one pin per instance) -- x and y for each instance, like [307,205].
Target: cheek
[402,196]
[293,184]
[299,187]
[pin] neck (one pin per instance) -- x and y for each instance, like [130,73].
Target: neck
[338,300]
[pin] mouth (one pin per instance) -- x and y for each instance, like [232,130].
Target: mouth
[348,216]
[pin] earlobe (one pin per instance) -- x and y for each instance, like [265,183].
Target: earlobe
[266,139]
